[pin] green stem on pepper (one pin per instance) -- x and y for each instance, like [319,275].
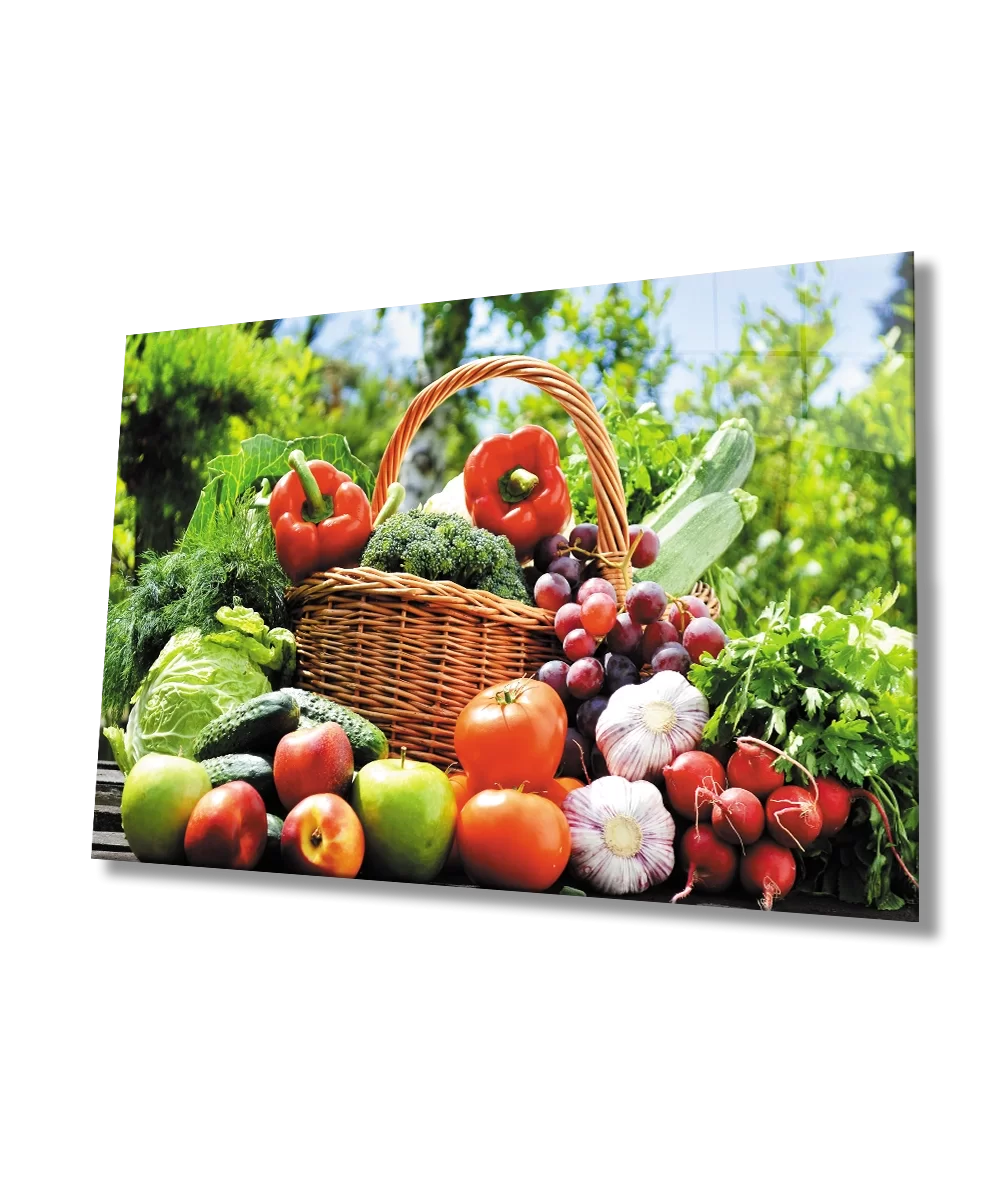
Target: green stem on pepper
[317,507]
[393,499]
[516,485]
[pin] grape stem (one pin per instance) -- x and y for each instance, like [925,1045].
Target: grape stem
[601,558]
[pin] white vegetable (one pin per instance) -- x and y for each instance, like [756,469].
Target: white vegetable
[646,725]
[451,499]
[621,836]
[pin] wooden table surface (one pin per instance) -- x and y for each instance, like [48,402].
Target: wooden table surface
[109,843]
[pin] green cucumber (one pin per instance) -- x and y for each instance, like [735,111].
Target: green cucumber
[270,860]
[723,464]
[256,725]
[255,769]
[699,534]
[367,741]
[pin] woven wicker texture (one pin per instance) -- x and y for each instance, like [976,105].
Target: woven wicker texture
[408,653]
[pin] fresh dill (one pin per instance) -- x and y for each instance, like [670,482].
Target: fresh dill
[231,561]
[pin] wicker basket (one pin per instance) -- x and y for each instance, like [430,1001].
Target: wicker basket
[408,653]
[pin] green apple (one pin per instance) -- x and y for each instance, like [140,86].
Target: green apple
[158,798]
[408,813]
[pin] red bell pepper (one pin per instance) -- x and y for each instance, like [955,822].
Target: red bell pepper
[321,518]
[514,485]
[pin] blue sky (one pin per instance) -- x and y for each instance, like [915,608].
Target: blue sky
[702,320]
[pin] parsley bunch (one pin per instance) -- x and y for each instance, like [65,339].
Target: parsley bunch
[837,692]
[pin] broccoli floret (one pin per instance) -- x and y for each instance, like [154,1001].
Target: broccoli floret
[507,581]
[447,546]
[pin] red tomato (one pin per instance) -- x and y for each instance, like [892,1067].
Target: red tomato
[460,786]
[560,788]
[512,839]
[512,735]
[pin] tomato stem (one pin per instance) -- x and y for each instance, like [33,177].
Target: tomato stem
[510,693]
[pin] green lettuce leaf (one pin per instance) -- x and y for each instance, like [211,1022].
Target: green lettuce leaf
[261,458]
[197,677]
[116,740]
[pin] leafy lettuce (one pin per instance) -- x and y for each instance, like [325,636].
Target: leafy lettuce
[197,677]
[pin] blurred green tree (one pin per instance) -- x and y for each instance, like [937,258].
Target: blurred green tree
[896,311]
[261,329]
[836,479]
[183,391]
[612,345]
[443,443]
[122,542]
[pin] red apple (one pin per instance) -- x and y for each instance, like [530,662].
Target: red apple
[310,761]
[227,828]
[323,836]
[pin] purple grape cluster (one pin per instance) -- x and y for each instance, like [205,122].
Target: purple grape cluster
[604,648]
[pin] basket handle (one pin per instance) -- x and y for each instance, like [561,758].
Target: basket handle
[612,518]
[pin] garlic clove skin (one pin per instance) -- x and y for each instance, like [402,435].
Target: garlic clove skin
[621,834]
[646,725]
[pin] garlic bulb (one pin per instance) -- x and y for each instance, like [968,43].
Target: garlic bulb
[621,836]
[646,725]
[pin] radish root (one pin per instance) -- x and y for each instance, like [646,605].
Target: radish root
[743,848]
[712,792]
[771,893]
[688,888]
[777,820]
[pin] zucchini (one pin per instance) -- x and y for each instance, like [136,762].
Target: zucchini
[723,464]
[696,537]
[367,741]
[255,725]
[255,769]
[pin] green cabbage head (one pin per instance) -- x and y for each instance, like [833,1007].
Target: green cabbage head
[196,678]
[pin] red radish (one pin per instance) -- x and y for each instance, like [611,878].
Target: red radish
[834,805]
[711,864]
[768,870]
[689,774]
[790,814]
[751,767]
[738,817]
[793,816]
